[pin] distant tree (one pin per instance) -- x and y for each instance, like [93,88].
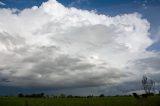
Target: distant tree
[69,96]
[117,95]
[90,96]
[20,95]
[144,95]
[101,95]
[136,95]
[35,95]
[41,94]
[62,95]
[148,84]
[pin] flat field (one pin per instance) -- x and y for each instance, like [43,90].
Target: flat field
[94,101]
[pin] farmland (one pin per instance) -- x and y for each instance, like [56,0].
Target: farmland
[93,101]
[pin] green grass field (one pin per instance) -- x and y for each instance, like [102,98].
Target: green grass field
[105,101]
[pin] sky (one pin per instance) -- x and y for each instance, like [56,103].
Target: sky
[78,47]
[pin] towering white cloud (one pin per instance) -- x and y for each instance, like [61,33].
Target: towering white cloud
[56,46]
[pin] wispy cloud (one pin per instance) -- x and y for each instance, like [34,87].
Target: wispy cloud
[1,3]
[78,2]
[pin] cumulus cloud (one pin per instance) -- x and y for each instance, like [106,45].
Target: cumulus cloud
[56,46]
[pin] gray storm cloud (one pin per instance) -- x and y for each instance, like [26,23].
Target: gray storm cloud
[57,46]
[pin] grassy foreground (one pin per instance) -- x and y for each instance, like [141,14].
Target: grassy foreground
[105,101]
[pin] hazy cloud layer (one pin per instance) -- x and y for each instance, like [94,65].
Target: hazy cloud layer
[59,47]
